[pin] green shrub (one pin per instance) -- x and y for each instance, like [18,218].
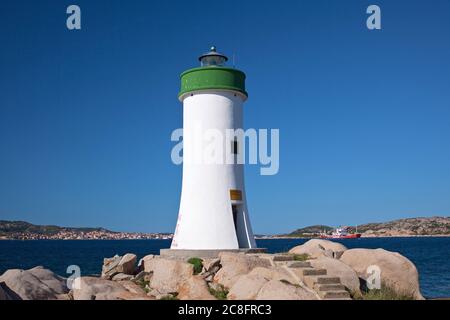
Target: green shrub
[170,297]
[220,293]
[197,263]
[385,293]
[301,257]
[144,285]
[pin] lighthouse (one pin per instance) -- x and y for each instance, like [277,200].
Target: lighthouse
[213,214]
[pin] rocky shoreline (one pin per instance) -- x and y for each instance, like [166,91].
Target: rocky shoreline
[316,270]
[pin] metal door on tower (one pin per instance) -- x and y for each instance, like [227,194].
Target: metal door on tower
[235,210]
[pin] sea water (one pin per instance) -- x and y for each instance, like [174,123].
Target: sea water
[431,255]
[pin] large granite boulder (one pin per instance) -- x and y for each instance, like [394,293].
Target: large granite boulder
[336,268]
[397,272]
[316,248]
[117,264]
[127,264]
[34,284]
[256,286]
[167,274]
[277,290]
[275,273]
[109,266]
[52,280]
[194,288]
[146,263]
[235,265]
[91,288]
[141,262]
[246,287]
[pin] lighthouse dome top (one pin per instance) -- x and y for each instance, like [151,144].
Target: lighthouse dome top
[212,75]
[212,58]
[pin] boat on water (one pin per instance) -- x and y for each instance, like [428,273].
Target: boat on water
[341,233]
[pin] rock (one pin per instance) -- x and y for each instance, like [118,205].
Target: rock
[263,272]
[66,296]
[336,268]
[3,294]
[168,296]
[127,264]
[147,262]
[215,286]
[118,264]
[148,277]
[27,285]
[109,266]
[277,290]
[317,247]
[168,275]
[52,280]
[122,277]
[156,294]
[208,277]
[397,271]
[194,288]
[274,273]
[141,261]
[70,295]
[211,266]
[140,276]
[101,289]
[246,287]
[133,287]
[268,284]
[7,294]
[235,265]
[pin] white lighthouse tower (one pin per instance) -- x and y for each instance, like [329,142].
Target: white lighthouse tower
[213,214]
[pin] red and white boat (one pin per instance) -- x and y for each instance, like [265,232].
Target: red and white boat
[341,233]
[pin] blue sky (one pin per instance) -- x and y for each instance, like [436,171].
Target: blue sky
[86,116]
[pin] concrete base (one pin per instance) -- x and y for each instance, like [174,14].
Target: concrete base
[208,254]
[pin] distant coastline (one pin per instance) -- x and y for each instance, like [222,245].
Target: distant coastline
[257,238]
[21,230]
[411,227]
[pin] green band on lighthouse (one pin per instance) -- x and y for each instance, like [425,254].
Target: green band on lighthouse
[213,77]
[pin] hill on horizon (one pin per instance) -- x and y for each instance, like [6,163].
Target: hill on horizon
[10,227]
[421,226]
